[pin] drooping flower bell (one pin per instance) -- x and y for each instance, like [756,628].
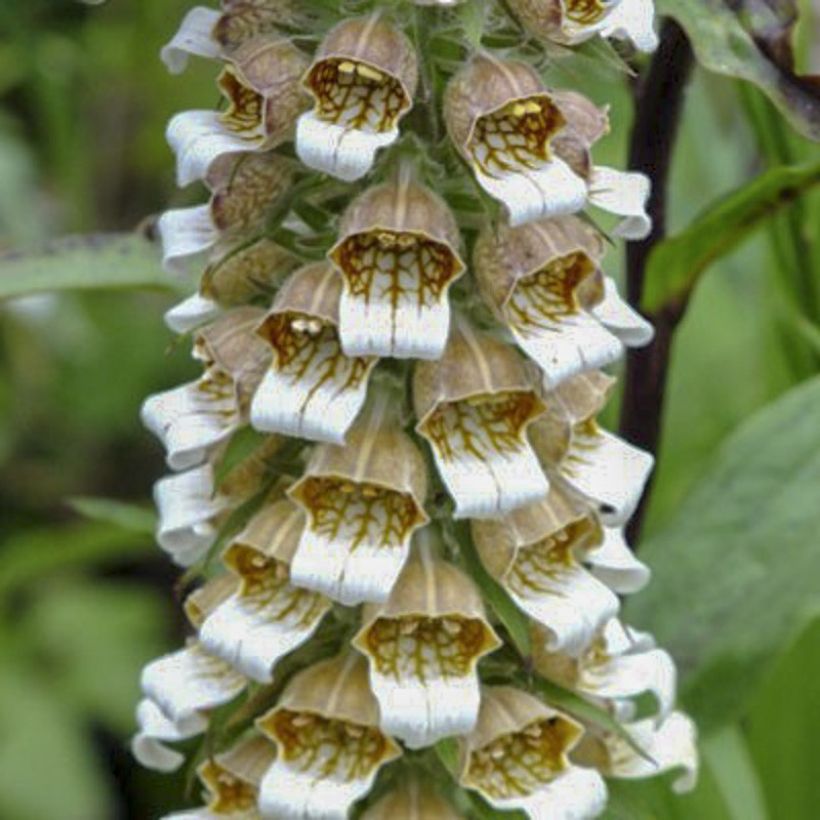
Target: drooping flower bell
[573,21]
[206,32]
[362,81]
[267,617]
[312,390]
[474,406]
[412,800]
[329,744]
[398,255]
[363,501]
[518,758]
[423,645]
[544,281]
[193,420]
[261,84]
[530,147]
[243,187]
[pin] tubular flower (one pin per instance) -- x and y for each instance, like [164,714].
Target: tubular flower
[267,616]
[412,801]
[618,663]
[216,34]
[330,747]
[362,501]
[382,440]
[572,21]
[313,389]
[518,758]
[398,256]
[243,187]
[362,81]
[536,553]
[544,282]
[260,83]
[423,645]
[529,146]
[473,407]
[231,781]
[667,747]
[192,421]
[593,465]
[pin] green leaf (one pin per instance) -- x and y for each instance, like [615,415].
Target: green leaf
[130,517]
[47,760]
[677,263]
[241,446]
[724,46]
[735,775]
[735,574]
[90,262]
[28,556]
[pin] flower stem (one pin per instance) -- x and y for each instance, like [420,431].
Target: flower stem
[659,103]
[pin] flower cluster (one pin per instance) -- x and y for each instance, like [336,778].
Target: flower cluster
[395,425]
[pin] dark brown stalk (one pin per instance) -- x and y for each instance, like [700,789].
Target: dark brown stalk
[658,106]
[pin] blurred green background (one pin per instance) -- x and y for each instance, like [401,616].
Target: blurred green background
[87,599]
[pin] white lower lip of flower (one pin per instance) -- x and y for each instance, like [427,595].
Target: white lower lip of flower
[395,300]
[185,233]
[155,729]
[576,794]
[190,681]
[192,420]
[355,542]
[187,506]
[607,471]
[313,391]
[200,137]
[483,457]
[195,36]
[621,319]
[342,151]
[194,311]
[323,767]
[615,564]
[624,194]
[537,192]
[632,20]
[672,745]
[563,597]
[254,628]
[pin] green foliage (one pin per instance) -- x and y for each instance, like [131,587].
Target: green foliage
[734,576]
[678,262]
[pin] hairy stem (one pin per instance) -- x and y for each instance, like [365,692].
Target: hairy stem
[659,102]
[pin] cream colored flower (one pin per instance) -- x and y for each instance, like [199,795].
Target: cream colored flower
[570,22]
[618,663]
[213,34]
[670,746]
[411,801]
[517,758]
[231,780]
[474,406]
[544,281]
[398,255]
[423,645]
[243,187]
[267,616]
[192,313]
[529,146]
[154,730]
[261,83]
[330,747]
[191,421]
[363,501]
[362,82]
[313,389]
[537,554]
[586,461]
